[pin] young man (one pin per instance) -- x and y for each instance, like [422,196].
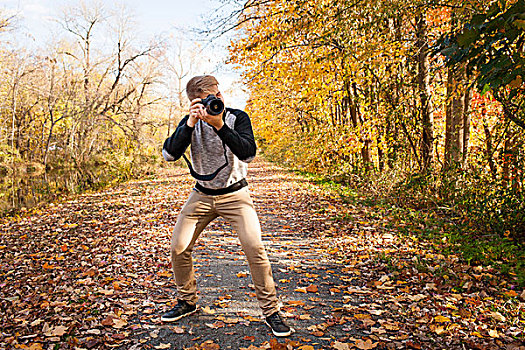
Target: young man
[221,147]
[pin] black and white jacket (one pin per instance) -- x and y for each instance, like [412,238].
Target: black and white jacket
[207,151]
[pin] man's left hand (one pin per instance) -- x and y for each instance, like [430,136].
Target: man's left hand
[213,120]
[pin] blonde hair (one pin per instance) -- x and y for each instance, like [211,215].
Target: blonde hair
[199,85]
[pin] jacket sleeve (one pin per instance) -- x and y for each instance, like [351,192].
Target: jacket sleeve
[240,139]
[176,144]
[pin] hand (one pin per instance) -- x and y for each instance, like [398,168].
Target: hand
[198,111]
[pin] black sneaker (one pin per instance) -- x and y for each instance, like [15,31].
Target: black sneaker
[179,311]
[279,328]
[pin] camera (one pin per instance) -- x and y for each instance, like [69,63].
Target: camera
[213,104]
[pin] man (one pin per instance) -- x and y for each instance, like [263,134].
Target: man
[221,147]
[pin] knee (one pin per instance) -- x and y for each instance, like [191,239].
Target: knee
[255,253]
[179,248]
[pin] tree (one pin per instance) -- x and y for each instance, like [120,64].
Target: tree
[491,45]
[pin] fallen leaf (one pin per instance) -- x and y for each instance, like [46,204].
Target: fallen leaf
[312,289]
[208,310]
[439,330]
[417,297]
[47,266]
[362,316]
[391,326]
[341,346]
[163,346]
[412,345]
[108,321]
[36,322]
[493,333]
[57,331]
[275,345]
[365,345]
[497,316]
[367,322]
[177,329]
[218,324]
[441,319]
[116,286]
[119,323]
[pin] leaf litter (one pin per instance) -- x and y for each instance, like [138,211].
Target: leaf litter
[93,271]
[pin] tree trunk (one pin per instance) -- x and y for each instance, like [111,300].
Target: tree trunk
[367,155]
[427,117]
[508,158]
[455,118]
[466,126]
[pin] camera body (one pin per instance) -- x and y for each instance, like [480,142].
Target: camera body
[213,105]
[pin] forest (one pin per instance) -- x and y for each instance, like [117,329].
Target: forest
[91,107]
[420,102]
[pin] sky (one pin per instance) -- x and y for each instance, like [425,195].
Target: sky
[35,27]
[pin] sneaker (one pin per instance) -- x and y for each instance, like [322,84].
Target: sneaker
[179,311]
[279,328]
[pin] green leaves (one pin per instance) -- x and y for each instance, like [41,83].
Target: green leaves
[492,46]
[468,37]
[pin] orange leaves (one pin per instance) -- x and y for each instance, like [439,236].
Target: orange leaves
[91,272]
[310,289]
[366,344]
[275,345]
[511,293]
[165,273]
[116,297]
[114,321]
[218,324]
[207,345]
[47,266]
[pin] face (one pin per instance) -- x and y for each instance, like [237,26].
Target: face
[213,91]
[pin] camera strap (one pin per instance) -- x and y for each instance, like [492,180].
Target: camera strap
[207,177]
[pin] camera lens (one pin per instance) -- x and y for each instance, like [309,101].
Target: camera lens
[215,107]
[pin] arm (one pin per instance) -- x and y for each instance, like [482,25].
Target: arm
[176,144]
[240,139]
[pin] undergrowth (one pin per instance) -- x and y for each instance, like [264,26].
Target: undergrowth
[483,224]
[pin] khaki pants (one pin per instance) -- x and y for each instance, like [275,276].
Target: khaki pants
[237,207]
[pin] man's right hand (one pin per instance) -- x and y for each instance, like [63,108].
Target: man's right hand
[197,111]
